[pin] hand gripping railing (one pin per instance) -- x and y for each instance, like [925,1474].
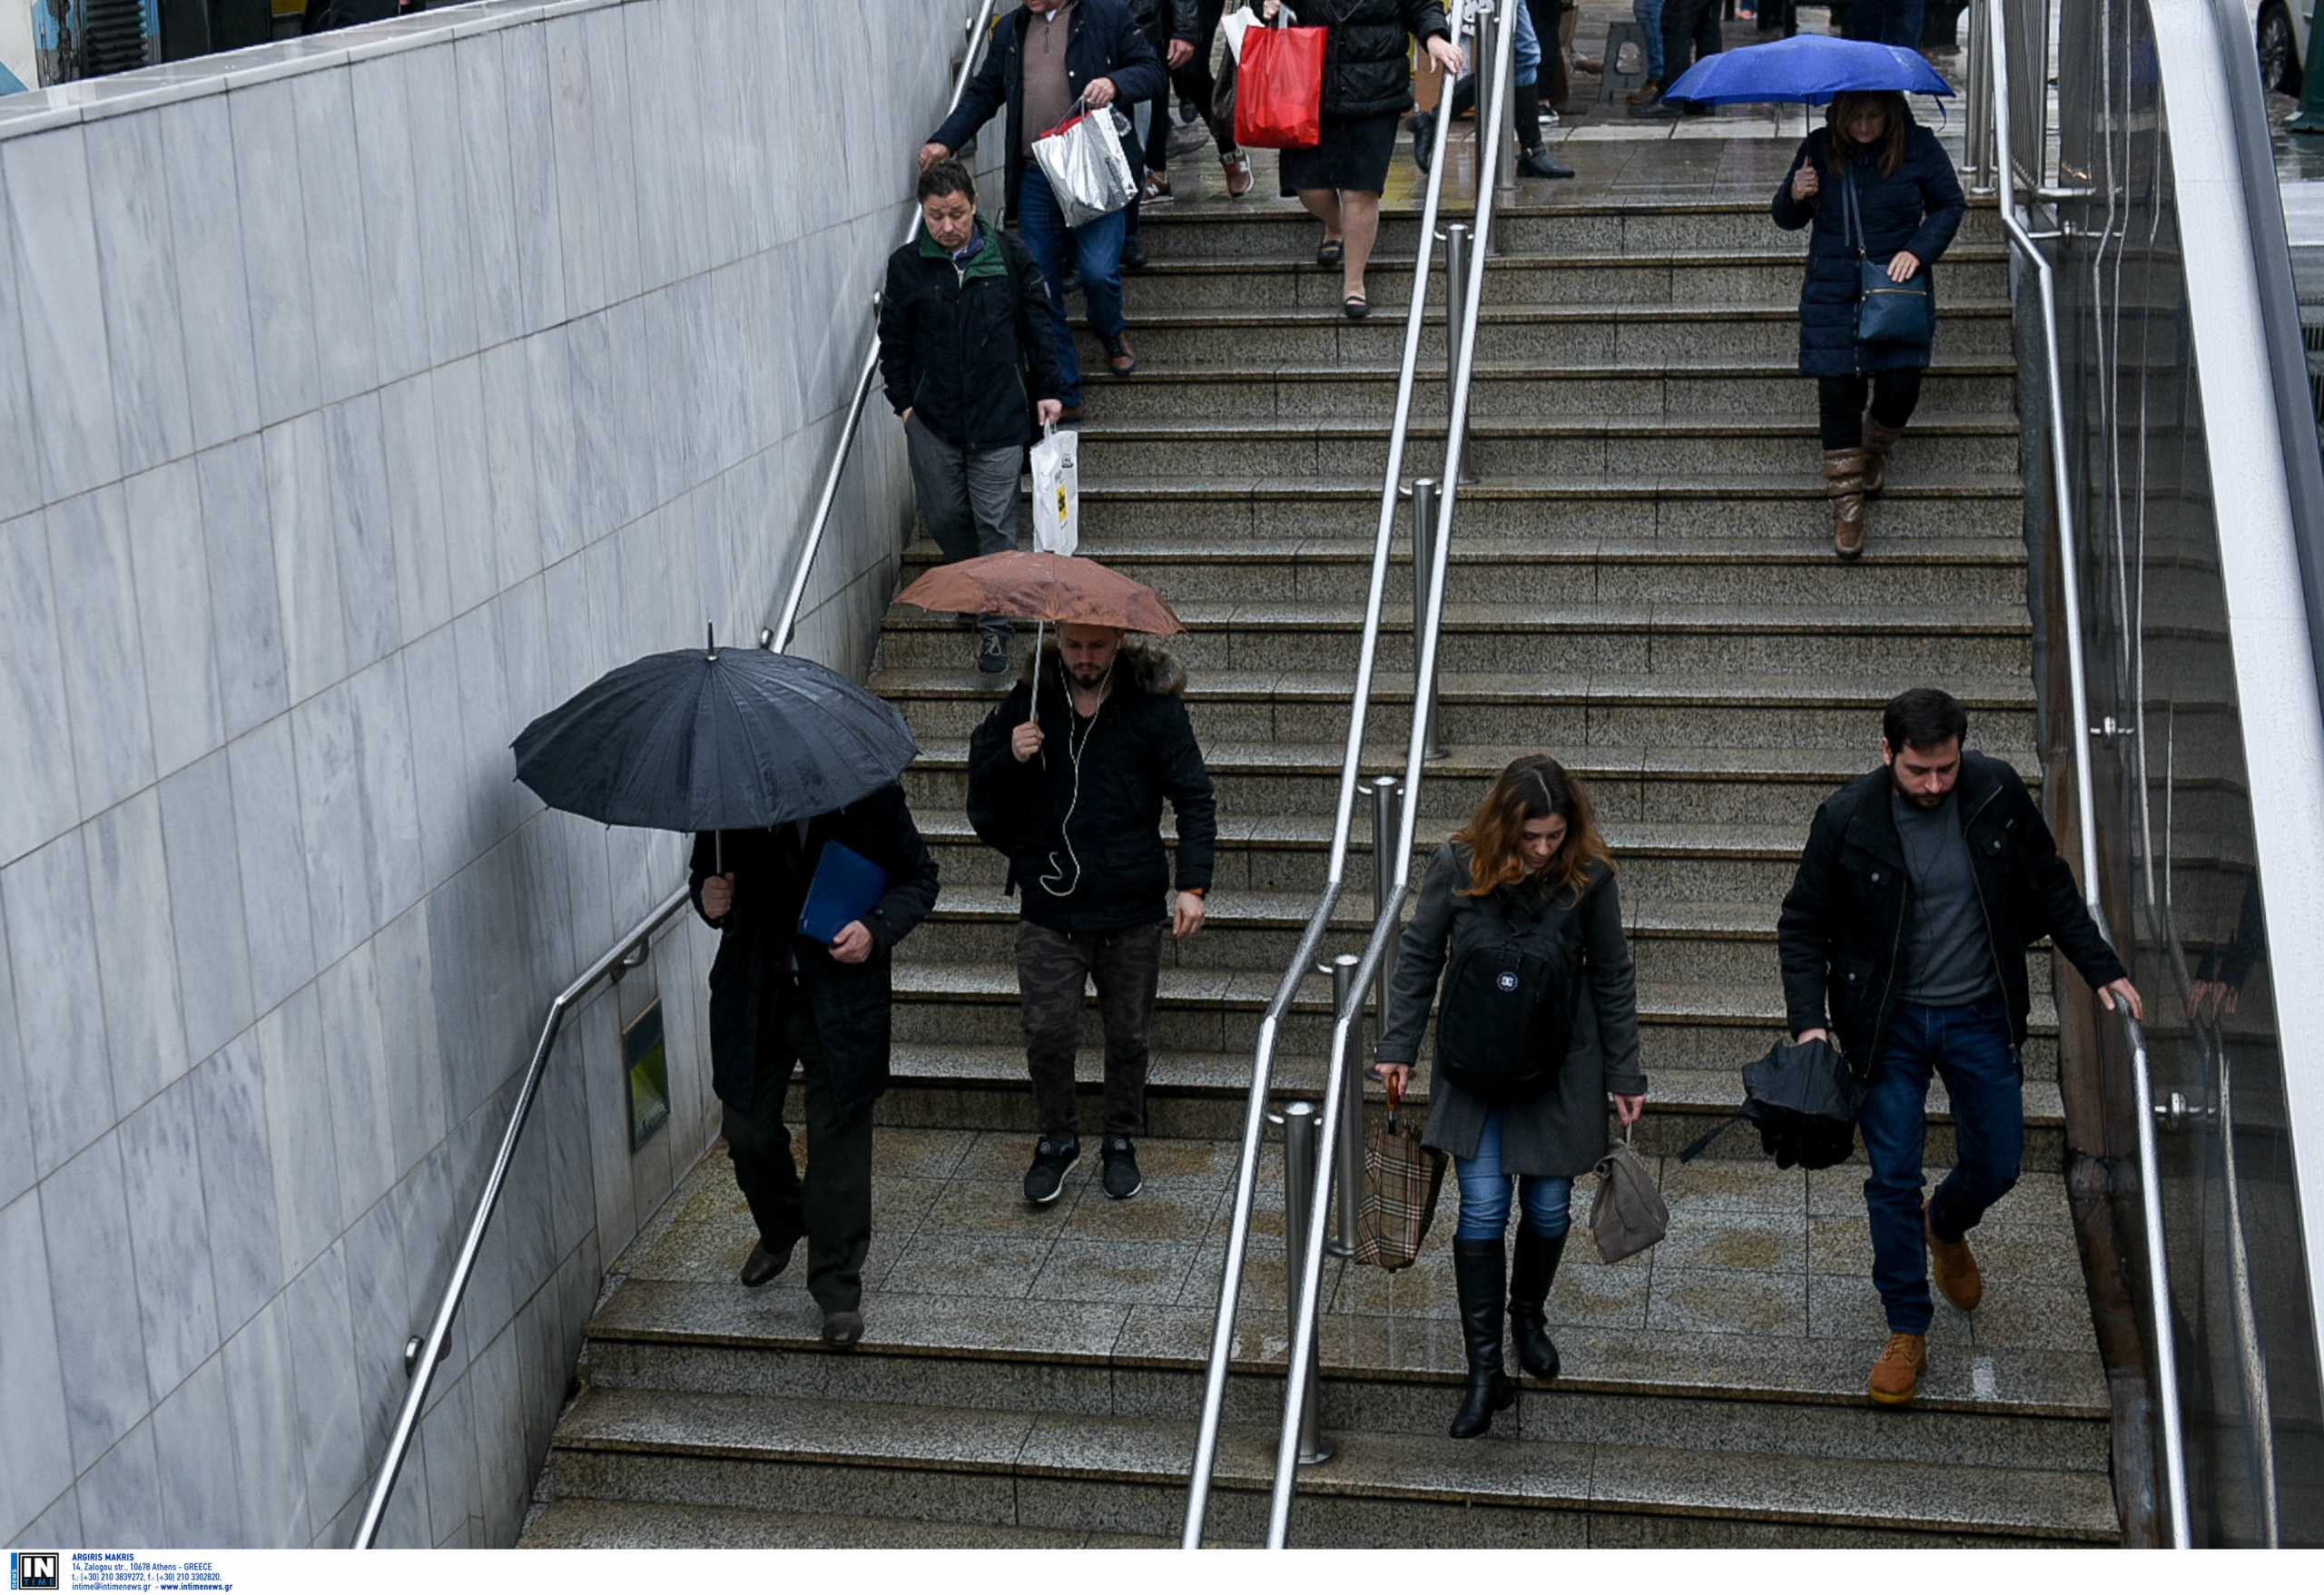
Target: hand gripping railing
[421,1358]
[1230,1282]
[2166,1359]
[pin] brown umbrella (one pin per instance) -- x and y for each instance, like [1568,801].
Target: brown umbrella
[1043,588]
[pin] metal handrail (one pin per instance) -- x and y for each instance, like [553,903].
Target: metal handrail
[626,953]
[787,622]
[1230,1284]
[1386,924]
[2078,706]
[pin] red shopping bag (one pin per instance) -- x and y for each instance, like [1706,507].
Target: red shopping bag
[1279,89]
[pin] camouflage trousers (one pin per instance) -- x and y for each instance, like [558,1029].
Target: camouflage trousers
[1054,971]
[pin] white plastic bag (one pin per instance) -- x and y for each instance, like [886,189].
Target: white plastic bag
[1057,492]
[1089,171]
[1244,20]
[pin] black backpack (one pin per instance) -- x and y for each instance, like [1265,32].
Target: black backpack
[1504,1017]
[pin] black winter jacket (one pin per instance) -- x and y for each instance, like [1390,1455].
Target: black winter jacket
[1841,932]
[749,991]
[1366,69]
[1919,209]
[1107,42]
[1140,749]
[968,349]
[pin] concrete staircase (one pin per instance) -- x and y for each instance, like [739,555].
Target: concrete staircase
[1641,583]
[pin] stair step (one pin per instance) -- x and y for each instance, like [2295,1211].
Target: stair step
[1609,445]
[1791,506]
[1991,639]
[1553,568]
[1743,276]
[581,1524]
[1085,1472]
[1655,336]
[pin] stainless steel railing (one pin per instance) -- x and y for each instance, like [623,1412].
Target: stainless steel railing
[2078,708]
[1206,1457]
[421,1358]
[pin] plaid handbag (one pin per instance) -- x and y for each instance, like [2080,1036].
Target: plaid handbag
[1401,1180]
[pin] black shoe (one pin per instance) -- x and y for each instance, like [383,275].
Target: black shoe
[1660,111]
[765,1262]
[992,652]
[1536,163]
[842,1330]
[1046,1179]
[1070,284]
[1477,1270]
[1532,1271]
[1423,140]
[1133,255]
[1121,1177]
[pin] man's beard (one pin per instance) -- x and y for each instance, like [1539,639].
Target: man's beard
[1916,800]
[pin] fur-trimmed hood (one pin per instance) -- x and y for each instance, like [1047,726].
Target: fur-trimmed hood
[1144,665]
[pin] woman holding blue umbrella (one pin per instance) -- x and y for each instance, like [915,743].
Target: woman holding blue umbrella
[1881,199]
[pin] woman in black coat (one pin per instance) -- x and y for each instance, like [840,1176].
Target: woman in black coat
[1910,204]
[1531,870]
[1367,87]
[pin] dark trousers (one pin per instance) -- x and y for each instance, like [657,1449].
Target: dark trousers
[1970,1047]
[1840,404]
[1887,22]
[969,497]
[1193,84]
[832,1207]
[1053,969]
[1689,34]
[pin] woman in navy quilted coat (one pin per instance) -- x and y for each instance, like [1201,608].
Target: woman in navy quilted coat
[1910,205]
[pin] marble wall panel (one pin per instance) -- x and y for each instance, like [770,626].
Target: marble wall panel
[447,226]
[269,1471]
[306,555]
[331,823]
[556,485]
[652,108]
[362,529]
[584,193]
[403,286]
[514,525]
[129,896]
[20,489]
[121,1494]
[323,1371]
[534,159]
[202,1502]
[355,1065]
[346,347]
[484,138]
[99,640]
[447,1440]
[86,1219]
[170,560]
[448,831]
[415,1068]
[232,1120]
[269,831]
[54,234]
[282,309]
[15,1107]
[40,798]
[485,724]
[616,149]
[60,1001]
[394,860]
[497,1404]
[431,1232]
[208,927]
[169,1231]
[379,1308]
[468,490]
[213,289]
[137,273]
[423,573]
[292,1054]
[245,600]
[38,1466]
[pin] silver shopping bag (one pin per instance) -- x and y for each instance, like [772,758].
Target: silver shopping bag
[1087,169]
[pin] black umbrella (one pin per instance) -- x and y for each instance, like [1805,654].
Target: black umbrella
[1805,1098]
[713,738]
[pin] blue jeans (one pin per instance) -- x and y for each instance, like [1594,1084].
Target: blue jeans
[1648,15]
[1098,247]
[1970,1047]
[1484,1189]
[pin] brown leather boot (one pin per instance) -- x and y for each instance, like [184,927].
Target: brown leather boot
[1878,442]
[1897,1376]
[1955,1267]
[1844,483]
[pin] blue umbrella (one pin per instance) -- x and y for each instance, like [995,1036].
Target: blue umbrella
[1809,70]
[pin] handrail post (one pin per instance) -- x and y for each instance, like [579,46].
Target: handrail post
[1387,800]
[1458,261]
[1299,1174]
[1424,561]
[1977,138]
[1347,1173]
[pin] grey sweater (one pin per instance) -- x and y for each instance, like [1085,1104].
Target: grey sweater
[1563,1132]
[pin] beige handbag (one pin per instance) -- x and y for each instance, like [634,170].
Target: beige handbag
[1628,1214]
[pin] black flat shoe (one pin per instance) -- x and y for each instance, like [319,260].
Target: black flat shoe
[1536,163]
[1355,306]
[1331,252]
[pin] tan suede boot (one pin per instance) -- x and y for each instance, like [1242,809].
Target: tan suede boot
[1878,441]
[1897,1376]
[1955,1266]
[1844,483]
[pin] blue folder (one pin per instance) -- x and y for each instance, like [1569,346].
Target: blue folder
[847,886]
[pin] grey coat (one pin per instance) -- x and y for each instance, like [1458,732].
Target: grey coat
[1563,1132]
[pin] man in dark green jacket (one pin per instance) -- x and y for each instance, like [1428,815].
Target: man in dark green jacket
[970,366]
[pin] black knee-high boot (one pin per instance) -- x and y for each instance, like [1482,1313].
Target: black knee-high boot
[1478,1267]
[1532,1271]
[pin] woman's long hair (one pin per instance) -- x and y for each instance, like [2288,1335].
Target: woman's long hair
[1532,788]
[1891,143]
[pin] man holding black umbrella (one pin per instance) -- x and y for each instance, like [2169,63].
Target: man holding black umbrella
[780,997]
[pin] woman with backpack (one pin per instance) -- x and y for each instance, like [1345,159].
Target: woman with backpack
[1537,1025]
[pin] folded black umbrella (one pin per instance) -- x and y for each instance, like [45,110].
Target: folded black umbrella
[713,738]
[1805,1098]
